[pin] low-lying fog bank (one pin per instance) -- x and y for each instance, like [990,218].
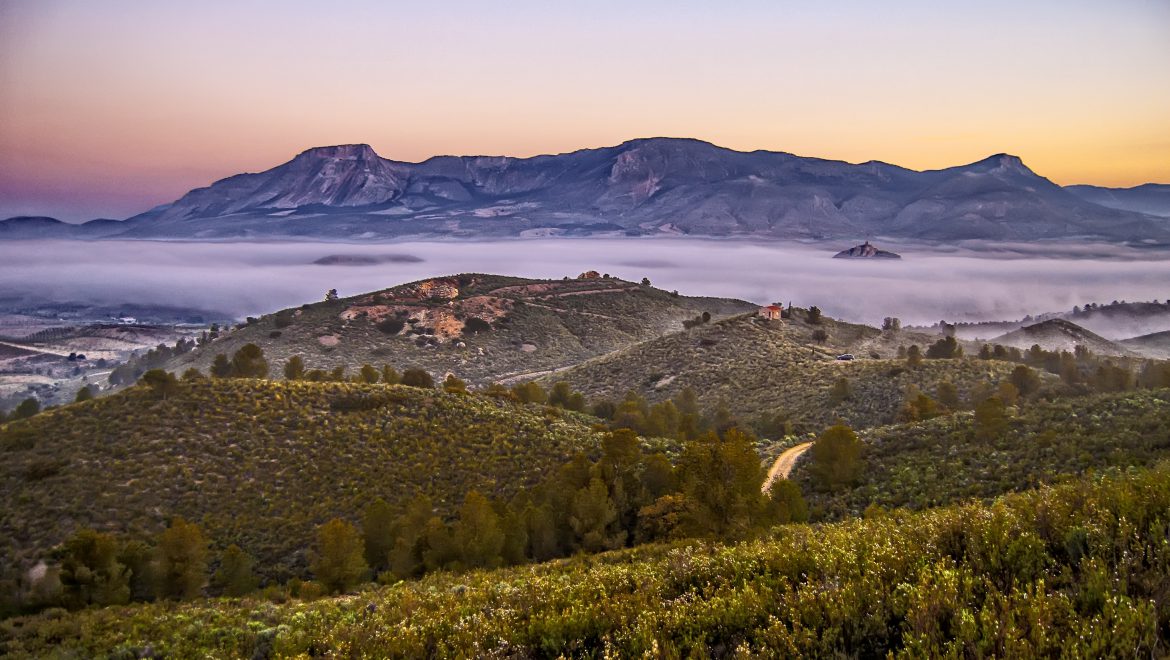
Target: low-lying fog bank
[927,284]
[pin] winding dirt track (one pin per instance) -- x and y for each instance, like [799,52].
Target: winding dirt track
[784,464]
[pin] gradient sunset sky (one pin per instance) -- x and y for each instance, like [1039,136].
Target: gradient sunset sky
[108,108]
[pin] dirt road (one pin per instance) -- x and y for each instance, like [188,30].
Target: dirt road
[784,464]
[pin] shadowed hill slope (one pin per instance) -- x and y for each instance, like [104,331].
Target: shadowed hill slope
[522,326]
[261,463]
[764,368]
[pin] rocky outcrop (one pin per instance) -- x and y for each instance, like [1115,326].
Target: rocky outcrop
[866,251]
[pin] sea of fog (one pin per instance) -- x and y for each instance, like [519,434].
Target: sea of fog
[927,284]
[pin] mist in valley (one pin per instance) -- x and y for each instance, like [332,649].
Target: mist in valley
[967,283]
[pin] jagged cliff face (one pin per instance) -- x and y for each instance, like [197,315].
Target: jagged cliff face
[642,187]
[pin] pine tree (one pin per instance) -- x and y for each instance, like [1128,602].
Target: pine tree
[785,502]
[138,558]
[440,551]
[249,362]
[294,369]
[390,375]
[91,573]
[477,533]
[592,516]
[512,522]
[27,408]
[163,383]
[913,356]
[235,576]
[406,556]
[836,457]
[368,374]
[337,559]
[1025,379]
[221,366]
[543,539]
[990,419]
[721,480]
[378,534]
[948,395]
[180,560]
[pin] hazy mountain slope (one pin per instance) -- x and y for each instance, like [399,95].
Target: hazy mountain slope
[536,325]
[1155,345]
[1058,335]
[32,227]
[1149,198]
[763,368]
[261,463]
[644,186]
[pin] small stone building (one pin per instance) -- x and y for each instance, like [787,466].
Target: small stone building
[771,312]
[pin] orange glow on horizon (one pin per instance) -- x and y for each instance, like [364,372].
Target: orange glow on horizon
[131,105]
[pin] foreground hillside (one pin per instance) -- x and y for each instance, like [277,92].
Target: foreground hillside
[480,327]
[759,368]
[1074,571]
[260,463]
[958,457]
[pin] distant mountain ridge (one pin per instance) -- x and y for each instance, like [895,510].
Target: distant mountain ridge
[1148,198]
[651,186]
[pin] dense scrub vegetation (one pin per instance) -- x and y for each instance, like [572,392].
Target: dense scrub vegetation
[546,324]
[1077,570]
[260,463]
[759,370]
[952,458]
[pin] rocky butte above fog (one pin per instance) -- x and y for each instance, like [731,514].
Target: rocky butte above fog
[866,251]
[653,186]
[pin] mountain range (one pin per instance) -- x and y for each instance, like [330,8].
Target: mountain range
[653,186]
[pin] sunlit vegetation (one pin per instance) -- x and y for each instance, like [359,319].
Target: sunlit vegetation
[1074,571]
[996,450]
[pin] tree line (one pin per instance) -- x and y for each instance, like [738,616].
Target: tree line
[626,496]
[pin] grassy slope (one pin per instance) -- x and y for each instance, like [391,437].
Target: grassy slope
[564,329]
[261,463]
[1075,571]
[940,462]
[767,367]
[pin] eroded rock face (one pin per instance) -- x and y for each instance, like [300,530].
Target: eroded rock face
[866,251]
[430,304]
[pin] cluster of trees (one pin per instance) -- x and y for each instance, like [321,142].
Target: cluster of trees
[97,568]
[23,410]
[625,497]
[1081,369]
[130,371]
[1023,382]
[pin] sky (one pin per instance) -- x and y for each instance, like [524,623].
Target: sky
[109,108]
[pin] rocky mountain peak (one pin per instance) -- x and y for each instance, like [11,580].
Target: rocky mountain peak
[866,250]
[362,152]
